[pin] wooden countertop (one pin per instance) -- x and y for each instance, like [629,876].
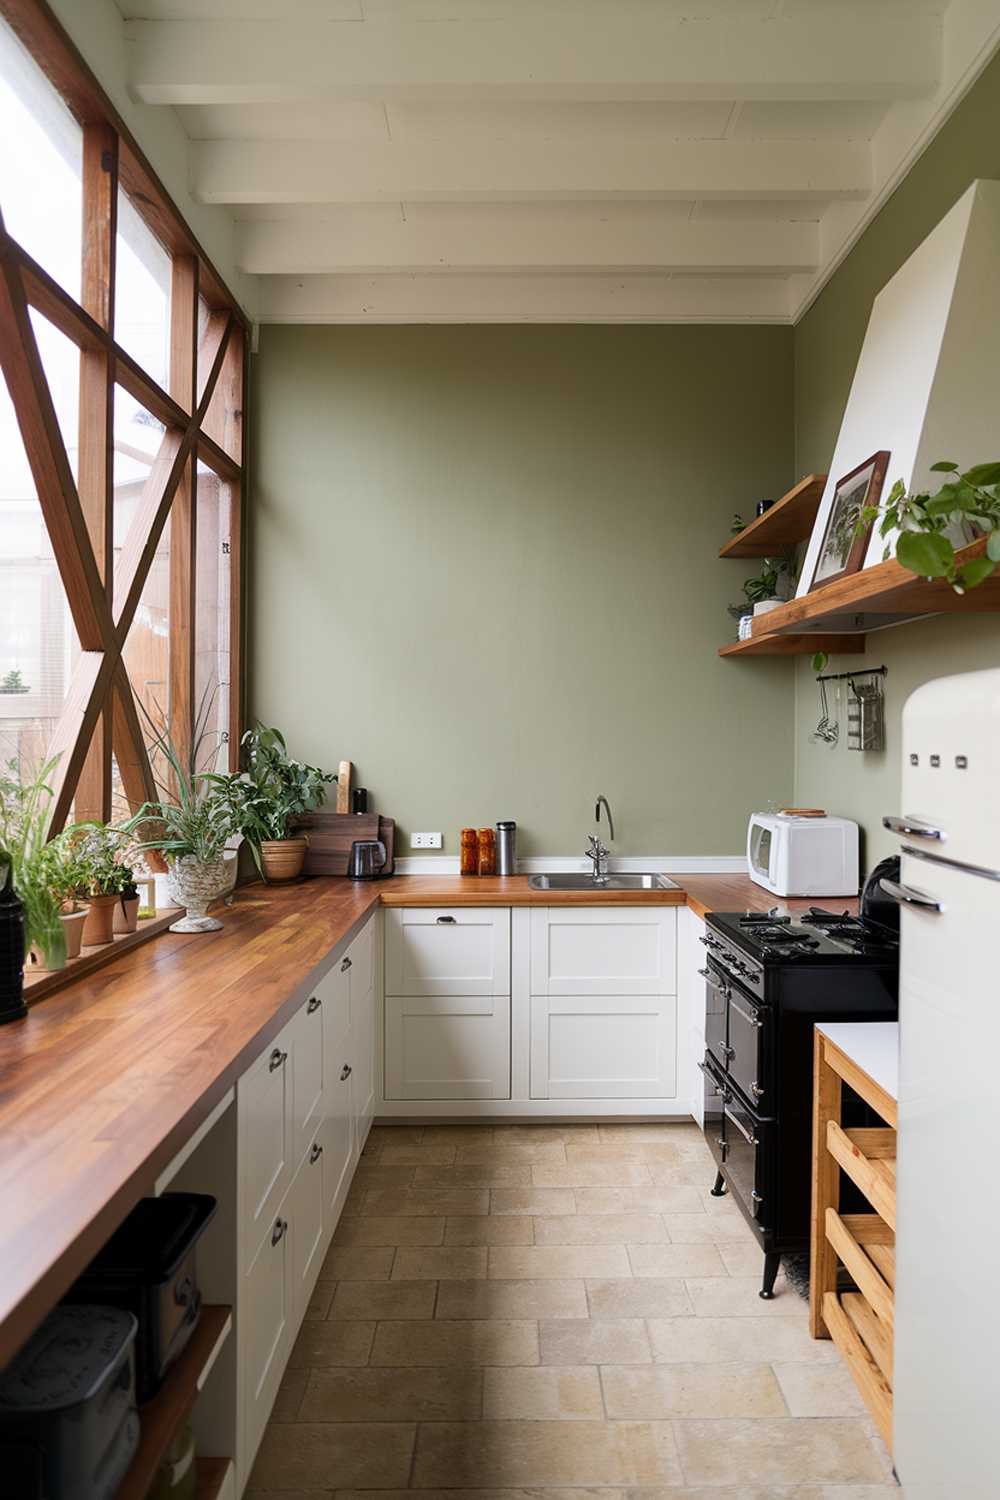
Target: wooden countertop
[103,1082]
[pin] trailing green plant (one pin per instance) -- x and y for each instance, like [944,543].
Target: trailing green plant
[765,584]
[923,521]
[274,790]
[93,855]
[192,816]
[25,811]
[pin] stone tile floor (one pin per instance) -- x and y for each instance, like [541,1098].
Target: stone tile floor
[508,1309]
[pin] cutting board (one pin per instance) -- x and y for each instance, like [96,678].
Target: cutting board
[331,835]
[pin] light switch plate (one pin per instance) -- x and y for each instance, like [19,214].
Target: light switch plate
[426,841]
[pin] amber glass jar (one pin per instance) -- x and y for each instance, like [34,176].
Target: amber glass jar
[487,851]
[469,852]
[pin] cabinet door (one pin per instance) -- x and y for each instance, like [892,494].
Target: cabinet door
[306,1219]
[337,1130]
[307,1065]
[362,1059]
[266,1330]
[433,951]
[629,950]
[447,1047]
[361,954]
[263,1101]
[603,1047]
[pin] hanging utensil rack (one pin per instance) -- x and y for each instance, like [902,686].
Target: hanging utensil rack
[846,676]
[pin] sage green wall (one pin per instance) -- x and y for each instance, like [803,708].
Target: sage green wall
[827,344]
[484,567]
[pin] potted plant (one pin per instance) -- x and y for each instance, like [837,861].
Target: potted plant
[96,850]
[266,800]
[24,823]
[765,590]
[66,877]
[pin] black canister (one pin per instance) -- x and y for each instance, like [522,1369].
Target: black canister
[12,1006]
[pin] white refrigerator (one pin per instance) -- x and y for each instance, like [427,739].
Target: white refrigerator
[946,1382]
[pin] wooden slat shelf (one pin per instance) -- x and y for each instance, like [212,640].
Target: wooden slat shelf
[160,1418]
[794,645]
[788,522]
[210,1476]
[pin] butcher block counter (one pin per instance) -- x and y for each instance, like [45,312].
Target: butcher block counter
[105,1081]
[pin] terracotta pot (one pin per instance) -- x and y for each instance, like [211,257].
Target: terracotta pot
[193,884]
[72,922]
[282,859]
[127,913]
[100,924]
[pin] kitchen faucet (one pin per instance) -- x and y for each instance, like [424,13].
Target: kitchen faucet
[599,852]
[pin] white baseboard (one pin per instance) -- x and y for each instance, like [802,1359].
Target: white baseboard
[665,864]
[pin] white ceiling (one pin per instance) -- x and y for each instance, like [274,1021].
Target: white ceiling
[551,160]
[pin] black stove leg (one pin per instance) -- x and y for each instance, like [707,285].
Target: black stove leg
[719,1190]
[772,1260]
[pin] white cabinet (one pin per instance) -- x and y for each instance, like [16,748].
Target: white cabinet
[447,1047]
[337,1135]
[361,1044]
[306,1060]
[628,950]
[603,1046]
[432,951]
[264,1097]
[266,1330]
[307,1218]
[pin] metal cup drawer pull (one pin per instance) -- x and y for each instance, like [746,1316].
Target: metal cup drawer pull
[278,1058]
[346,1072]
[345,965]
[279,1231]
[445,921]
[315,1153]
[313,1005]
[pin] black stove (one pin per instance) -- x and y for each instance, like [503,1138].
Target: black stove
[769,978]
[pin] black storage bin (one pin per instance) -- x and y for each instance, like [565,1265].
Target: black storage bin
[68,1424]
[148,1266]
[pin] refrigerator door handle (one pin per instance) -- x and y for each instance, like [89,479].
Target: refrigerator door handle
[983,871]
[908,895]
[914,828]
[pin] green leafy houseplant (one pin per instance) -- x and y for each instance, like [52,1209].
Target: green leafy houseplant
[274,790]
[923,521]
[25,809]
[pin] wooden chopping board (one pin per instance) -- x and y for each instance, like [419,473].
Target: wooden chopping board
[331,835]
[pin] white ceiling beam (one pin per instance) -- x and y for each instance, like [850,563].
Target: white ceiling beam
[318,172]
[520,237]
[824,54]
[523,299]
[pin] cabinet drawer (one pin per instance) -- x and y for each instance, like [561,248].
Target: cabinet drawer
[264,1109]
[361,959]
[436,951]
[447,1047]
[305,1031]
[629,950]
[266,1330]
[603,1047]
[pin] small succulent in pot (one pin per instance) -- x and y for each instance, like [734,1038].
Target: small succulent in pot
[265,801]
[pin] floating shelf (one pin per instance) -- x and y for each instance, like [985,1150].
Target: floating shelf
[788,522]
[160,1418]
[794,645]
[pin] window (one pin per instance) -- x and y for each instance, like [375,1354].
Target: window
[134,605]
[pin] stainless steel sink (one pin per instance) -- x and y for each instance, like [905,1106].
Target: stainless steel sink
[583,881]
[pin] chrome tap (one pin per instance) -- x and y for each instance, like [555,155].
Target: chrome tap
[598,851]
[603,802]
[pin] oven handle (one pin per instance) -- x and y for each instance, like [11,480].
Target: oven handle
[720,1087]
[753,1020]
[748,1135]
[712,979]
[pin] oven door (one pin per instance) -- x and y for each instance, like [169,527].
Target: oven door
[748,1155]
[748,1048]
[717,993]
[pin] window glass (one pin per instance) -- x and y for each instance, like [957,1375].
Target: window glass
[40,175]
[142,293]
[212,616]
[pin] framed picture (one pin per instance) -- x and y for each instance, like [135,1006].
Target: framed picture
[842,550]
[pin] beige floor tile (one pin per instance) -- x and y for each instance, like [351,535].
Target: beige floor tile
[441,1263]
[544,1133]
[753,1492]
[318,1306]
[639,1297]
[655,1392]
[383,1299]
[739,1297]
[511,1299]
[321,1455]
[426,1201]
[825,1390]
[618,1341]
[392,1231]
[417,1156]
[532,1262]
[373,1176]
[357,1263]
[600,1229]
[476,1494]
[646,1130]
[393,1395]
[601,1200]
[666,1198]
[456,1344]
[676,1260]
[396,1135]
[622,1149]
[612,1174]
[491,1229]
[354,1203]
[476,1174]
[744,1258]
[532,1200]
[544,1453]
[706,1229]
[290,1393]
[829,1450]
[320,1344]
[514,1152]
[458,1135]
[565,1393]
[687,1340]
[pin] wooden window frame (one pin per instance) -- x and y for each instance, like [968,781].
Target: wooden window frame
[203,416]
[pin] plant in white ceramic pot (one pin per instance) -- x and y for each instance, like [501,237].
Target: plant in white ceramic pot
[265,801]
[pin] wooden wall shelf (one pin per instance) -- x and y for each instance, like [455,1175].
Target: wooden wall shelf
[788,522]
[794,645]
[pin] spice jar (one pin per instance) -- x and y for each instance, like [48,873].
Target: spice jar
[469,852]
[487,851]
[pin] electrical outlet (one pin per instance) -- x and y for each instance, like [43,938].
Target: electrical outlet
[425,841]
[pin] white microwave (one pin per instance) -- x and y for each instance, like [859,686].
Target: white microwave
[796,856]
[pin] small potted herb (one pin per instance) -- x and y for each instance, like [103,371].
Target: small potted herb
[97,850]
[265,802]
[67,877]
[25,808]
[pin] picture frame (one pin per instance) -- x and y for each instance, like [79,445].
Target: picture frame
[842,550]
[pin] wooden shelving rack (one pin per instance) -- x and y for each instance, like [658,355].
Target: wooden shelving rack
[860,1322]
[788,522]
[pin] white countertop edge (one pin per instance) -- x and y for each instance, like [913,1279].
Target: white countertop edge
[873,1046]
